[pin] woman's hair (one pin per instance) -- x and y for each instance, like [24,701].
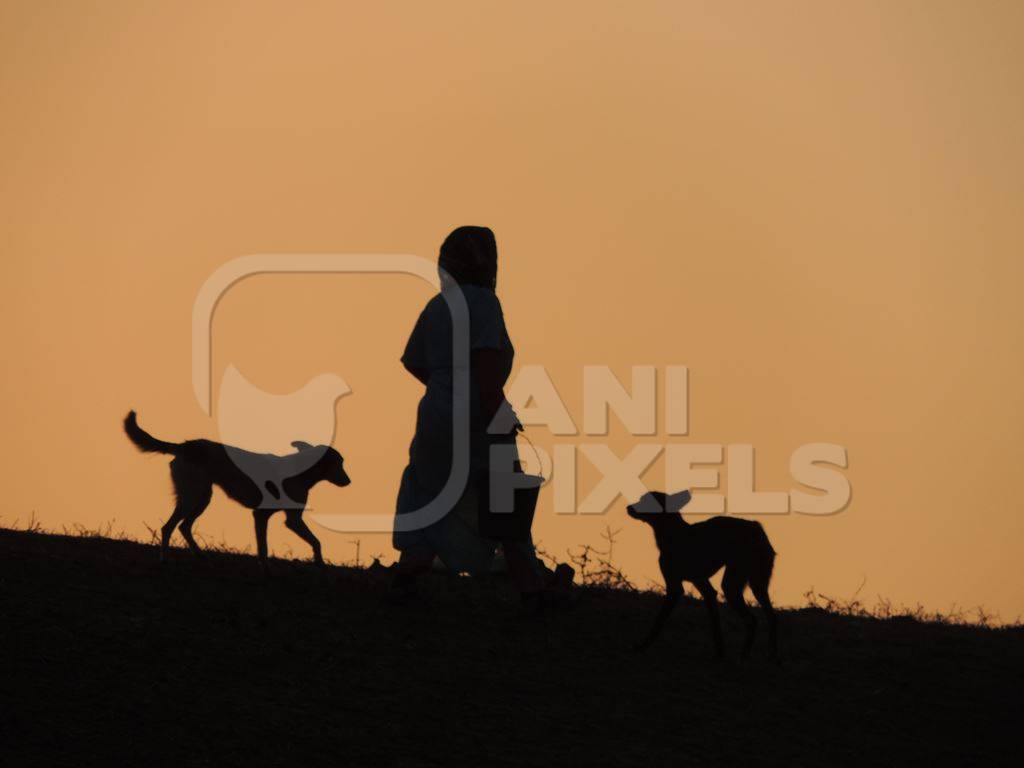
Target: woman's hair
[470,256]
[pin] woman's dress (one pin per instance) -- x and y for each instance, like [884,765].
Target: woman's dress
[428,353]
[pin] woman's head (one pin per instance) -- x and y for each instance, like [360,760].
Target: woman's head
[469,255]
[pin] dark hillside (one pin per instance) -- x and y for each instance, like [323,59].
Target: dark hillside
[109,658]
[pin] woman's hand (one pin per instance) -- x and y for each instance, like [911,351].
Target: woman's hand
[505,421]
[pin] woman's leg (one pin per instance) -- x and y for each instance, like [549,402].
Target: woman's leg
[416,553]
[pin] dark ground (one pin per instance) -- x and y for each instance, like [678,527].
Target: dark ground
[107,658]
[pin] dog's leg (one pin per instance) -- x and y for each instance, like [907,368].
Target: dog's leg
[186,532]
[193,489]
[760,589]
[168,529]
[261,517]
[672,592]
[298,526]
[182,477]
[198,502]
[711,601]
[733,584]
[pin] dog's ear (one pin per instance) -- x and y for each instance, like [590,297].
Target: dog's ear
[676,501]
[301,445]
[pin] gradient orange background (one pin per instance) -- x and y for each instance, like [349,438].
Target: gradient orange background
[816,206]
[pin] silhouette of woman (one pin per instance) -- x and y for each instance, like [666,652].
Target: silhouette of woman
[468,263]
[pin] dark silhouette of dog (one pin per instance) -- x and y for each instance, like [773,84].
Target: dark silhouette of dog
[265,483]
[696,552]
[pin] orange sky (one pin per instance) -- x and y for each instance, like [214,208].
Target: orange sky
[814,206]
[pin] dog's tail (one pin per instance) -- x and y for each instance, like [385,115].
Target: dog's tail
[145,441]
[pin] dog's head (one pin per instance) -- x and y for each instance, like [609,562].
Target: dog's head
[655,507]
[331,464]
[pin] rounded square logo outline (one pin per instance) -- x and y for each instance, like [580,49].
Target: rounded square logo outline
[233,272]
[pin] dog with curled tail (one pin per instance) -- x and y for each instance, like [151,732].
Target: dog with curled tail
[262,482]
